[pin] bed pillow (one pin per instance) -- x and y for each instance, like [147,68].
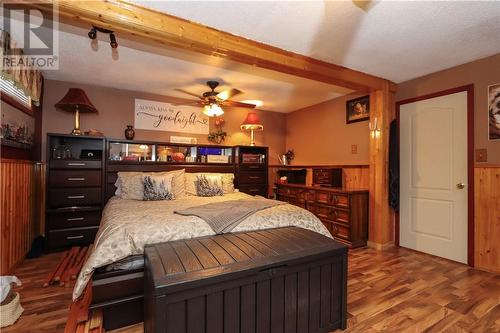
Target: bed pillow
[178,183]
[226,178]
[209,186]
[157,187]
[129,185]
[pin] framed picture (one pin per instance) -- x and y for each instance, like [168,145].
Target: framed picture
[17,126]
[494,112]
[357,109]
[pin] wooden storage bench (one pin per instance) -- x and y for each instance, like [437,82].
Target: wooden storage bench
[275,280]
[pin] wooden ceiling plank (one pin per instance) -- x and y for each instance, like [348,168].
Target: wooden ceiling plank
[157,27]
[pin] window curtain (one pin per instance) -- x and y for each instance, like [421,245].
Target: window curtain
[27,79]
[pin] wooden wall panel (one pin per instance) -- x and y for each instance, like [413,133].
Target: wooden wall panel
[17,214]
[487,218]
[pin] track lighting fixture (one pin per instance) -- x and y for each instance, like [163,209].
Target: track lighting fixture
[112,41]
[93,33]
[112,38]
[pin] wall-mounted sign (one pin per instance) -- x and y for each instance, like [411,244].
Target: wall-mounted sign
[183,139]
[158,116]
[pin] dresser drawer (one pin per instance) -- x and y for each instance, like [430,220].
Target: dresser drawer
[75,178]
[62,220]
[289,191]
[253,167]
[75,164]
[252,177]
[69,197]
[71,237]
[341,231]
[254,189]
[307,195]
[338,199]
[332,213]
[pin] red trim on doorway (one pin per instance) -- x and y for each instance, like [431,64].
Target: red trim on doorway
[470,161]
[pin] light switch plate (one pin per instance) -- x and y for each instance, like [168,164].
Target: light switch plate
[354,149]
[481,155]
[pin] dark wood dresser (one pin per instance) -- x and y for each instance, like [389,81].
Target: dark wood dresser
[251,170]
[344,212]
[74,189]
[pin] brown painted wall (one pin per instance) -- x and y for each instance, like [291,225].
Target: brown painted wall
[319,135]
[481,73]
[116,110]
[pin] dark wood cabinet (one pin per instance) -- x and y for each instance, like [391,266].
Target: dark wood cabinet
[343,212]
[74,189]
[251,170]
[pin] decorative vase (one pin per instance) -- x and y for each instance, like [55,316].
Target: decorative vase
[178,157]
[129,132]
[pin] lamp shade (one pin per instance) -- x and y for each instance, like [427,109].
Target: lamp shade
[76,99]
[252,122]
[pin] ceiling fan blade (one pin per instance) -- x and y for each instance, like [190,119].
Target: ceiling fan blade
[228,93]
[238,104]
[188,103]
[189,93]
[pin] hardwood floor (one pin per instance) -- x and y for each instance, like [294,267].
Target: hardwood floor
[398,290]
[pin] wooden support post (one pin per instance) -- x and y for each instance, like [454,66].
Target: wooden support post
[381,223]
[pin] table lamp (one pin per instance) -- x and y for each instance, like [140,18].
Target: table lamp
[252,123]
[76,101]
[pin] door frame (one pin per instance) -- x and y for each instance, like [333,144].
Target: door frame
[470,160]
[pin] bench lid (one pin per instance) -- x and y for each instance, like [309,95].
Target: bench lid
[189,263]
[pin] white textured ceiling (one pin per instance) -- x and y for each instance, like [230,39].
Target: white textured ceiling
[141,67]
[396,40]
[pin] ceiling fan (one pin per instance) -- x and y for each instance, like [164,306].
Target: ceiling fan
[211,101]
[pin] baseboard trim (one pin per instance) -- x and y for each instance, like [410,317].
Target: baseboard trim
[380,247]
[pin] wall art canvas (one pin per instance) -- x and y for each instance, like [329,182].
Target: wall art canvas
[17,128]
[159,116]
[494,112]
[358,109]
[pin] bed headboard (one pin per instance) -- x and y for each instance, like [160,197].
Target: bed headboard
[112,169]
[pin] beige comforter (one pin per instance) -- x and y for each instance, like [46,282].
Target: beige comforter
[128,225]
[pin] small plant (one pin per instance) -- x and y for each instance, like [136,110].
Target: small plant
[219,135]
[290,155]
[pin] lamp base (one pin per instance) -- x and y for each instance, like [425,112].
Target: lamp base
[76,131]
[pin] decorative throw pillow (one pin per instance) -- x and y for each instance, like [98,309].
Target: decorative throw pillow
[209,186]
[157,187]
[227,180]
[130,185]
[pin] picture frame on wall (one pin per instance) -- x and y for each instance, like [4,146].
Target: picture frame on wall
[494,112]
[17,125]
[358,109]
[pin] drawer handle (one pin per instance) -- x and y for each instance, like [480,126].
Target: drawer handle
[74,237]
[254,166]
[76,164]
[334,199]
[75,197]
[253,190]
[76,179]
[335,229]
[254,177]
[71,219]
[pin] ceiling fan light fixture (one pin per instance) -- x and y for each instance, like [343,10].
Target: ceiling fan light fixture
[213,110]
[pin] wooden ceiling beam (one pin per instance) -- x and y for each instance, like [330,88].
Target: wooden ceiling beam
[164,29]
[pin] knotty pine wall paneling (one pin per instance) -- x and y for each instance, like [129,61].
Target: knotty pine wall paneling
[487,217]
[20,216]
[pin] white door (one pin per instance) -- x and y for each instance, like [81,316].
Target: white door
[433,176]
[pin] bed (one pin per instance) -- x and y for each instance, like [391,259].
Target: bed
[116,262]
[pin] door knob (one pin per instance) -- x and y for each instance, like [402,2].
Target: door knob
[460,186]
